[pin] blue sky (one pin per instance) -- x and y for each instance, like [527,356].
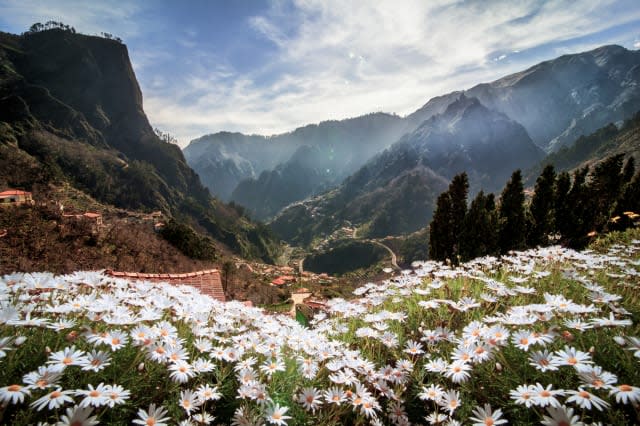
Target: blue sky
[269,66]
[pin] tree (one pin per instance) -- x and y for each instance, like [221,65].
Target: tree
[579,203]
[541,209]
[627,204]
[512,220]
[448,218]
[458,191]
[629,170]
[479,234]
[605,188]
[563,217]
[440,235]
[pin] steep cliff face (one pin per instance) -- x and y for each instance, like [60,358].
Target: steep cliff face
[71,109]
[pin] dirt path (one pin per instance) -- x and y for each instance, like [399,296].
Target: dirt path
[394,258]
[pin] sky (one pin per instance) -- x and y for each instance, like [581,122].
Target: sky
[270,66]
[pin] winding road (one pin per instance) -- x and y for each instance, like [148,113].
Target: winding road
[394,258]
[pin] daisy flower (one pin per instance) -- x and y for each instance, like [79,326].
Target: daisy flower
[117,340]
[43,378]
[335,395]
[436,365]
[60,360]
[573,357]
[546,396]
[524,395]
[55,399]
[543,361]
[181,372]
[486,416]
[276,415]
[458,372]
[436,418]
[271,366]
[152,417]
[594,377]
[188,401]
[450,401]
[13,394]
[93,396]
[78,416]
[586,400]
[561,416]
[626,394]
[207,393]
[522,339]
[369,406]
[310,399]
[413,348]
[203,418]
[95,361]
[115,395]
[431,393]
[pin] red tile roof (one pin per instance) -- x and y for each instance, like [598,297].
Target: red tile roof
[9,192]
[207,282]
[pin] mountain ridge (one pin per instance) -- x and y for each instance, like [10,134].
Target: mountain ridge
[555,101]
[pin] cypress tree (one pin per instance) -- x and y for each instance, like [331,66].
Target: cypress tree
[492,237]
[440,235]
[541,208]
[629,170]
[605,188]
[628,204]
[512,220]
[458,191]
[579,202]
[563,220]
[478,234]
[445,228]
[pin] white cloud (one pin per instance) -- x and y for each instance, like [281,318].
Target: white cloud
[636,44]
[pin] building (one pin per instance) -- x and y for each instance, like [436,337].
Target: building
[95,218]
[15,197]
[207,282]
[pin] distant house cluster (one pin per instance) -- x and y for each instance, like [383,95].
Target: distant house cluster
[95,218]
[12,197]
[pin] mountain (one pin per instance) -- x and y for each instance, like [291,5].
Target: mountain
[239,167]
[395,192]
[555,101]
[71,111]
[559,100]
[605,142]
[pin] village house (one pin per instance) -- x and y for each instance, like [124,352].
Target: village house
[12,197]
[95,218]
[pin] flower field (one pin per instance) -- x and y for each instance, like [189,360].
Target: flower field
[545,336]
